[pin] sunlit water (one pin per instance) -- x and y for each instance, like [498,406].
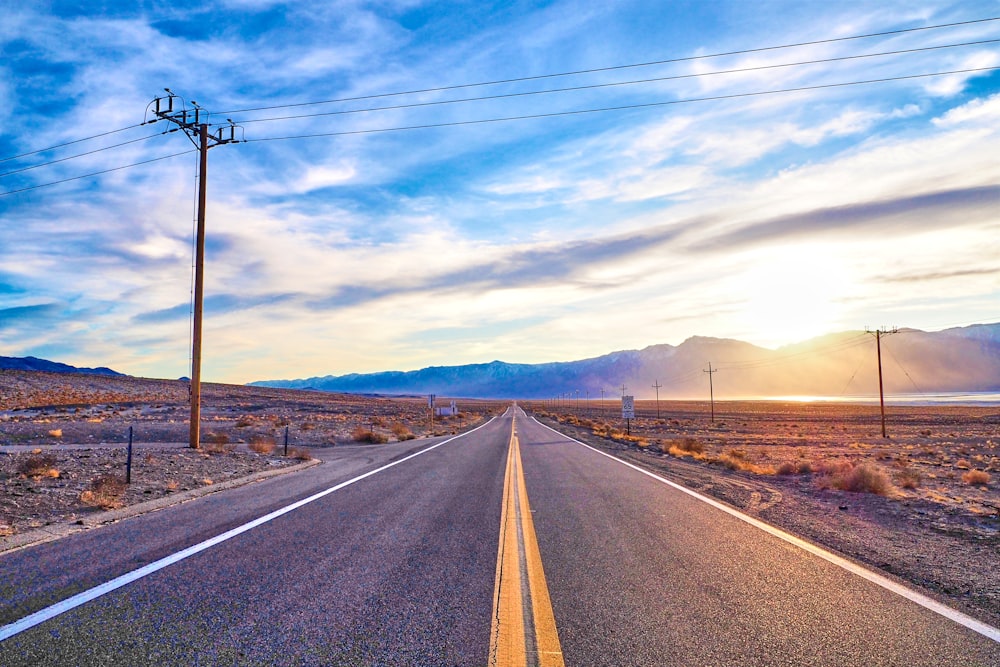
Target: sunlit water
[941,398]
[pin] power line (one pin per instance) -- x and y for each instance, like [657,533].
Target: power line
[622,107]
[96,173]
[70,143]
[73,157]
[610,68]
[840,346]
[609,85]
[534,78]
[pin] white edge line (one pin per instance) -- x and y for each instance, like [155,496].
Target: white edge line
[42,615]
[973,624]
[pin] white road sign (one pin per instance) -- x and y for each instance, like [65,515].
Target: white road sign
[628,407]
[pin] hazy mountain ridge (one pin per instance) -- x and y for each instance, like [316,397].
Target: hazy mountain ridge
[44,365]
[844,364]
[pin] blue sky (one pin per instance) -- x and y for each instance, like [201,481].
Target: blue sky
[769,218]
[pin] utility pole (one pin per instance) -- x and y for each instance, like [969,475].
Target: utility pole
[878,347]
[602,401]
[656,386]
[623,389]
[711,390]
[192,126]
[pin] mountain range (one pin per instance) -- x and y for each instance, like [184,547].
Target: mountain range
[36,364]
[845,364]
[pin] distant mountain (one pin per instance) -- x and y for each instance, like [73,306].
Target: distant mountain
[36,364]
[844,364]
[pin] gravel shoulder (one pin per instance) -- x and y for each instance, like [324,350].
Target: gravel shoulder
[56,503]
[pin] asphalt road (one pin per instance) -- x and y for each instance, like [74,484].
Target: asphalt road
[396,569]
[399,568]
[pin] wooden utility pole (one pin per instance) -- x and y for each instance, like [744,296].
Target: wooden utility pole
[878,348]
[711,390]
[656,386]
[199,290]
[190,123]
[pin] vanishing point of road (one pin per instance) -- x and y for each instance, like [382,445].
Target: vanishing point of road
[508,545]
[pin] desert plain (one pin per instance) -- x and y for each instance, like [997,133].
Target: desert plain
[921,505]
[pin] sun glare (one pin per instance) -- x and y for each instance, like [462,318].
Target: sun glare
[792,294]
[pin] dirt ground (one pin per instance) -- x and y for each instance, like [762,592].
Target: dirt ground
[922,505]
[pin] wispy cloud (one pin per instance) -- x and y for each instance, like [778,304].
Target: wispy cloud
[507,240]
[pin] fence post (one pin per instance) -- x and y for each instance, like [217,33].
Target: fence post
[128,460]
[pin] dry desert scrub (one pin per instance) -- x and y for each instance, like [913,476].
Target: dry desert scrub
[262,444]
[361,434]
[300,453]
[974,477]
[401,432]
[105,492]
[861,478]
[38,465]
[680,448]
[908,478]
[217,443]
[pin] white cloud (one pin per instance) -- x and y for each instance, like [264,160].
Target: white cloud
[978,111]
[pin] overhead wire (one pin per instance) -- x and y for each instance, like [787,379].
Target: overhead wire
[70,143]
[611,68]
[840,346]
[79,155]
[97,173]
[538,115]
[593,86]
[624,107]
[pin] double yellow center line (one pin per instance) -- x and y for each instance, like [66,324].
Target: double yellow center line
[524,628]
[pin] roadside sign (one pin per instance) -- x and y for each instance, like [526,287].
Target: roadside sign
[430,400]
[628,407]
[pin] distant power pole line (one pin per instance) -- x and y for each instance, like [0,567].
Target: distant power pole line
[190,122]
[878,333]
[711,390]
[656,386]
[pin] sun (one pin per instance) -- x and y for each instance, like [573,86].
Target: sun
[793,293]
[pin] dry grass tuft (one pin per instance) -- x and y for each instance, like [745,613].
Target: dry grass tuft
[974,477]
[361,434]
[38,465]
[172,485]
[908,478]
[105,492]
[300,453]
[56,433]
[6,530]
[862,478]
[685,447]
[262,444]
[218,443]
[401,431]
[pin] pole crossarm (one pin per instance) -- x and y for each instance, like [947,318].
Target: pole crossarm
[190,121]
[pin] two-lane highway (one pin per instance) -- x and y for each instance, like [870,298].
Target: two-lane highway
[508,545]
